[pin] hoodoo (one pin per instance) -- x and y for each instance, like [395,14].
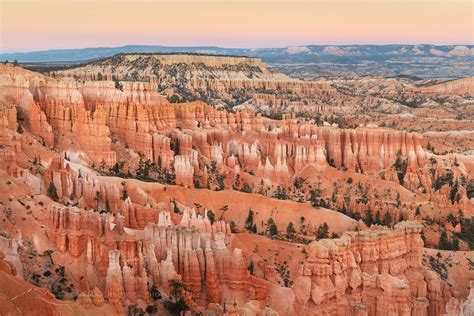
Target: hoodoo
[122,191]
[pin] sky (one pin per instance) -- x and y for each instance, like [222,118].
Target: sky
[27,25]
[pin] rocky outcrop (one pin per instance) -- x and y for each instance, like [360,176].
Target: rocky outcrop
[124,241]
[162,153]
[56,112]
[87,116]
[8,139]
[94,297]
[184,171]
[464,86]
[9,252]
[370,272]
[319,98]
[159,65]
[15,83]
[227,77]
[194,252]
[371,149]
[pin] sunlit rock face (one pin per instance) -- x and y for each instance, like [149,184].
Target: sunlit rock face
[370,272]
[86,117]
[86,148]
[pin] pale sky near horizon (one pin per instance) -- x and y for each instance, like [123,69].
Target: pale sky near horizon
[27,25]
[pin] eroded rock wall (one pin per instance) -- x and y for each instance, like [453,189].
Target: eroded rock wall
[372,272]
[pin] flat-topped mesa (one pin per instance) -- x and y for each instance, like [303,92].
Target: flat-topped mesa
[225,76]
[120,66]
[382,267]
[215,61]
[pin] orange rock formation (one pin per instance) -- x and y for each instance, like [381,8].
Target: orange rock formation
[76,145]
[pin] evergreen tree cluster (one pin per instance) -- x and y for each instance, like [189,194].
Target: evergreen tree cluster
[249,224]
[147,171]
[215,177]
[176,304]
[467,229]
[446,244]
[323,231]
[280,193]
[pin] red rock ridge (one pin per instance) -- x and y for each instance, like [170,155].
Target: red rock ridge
[371,272]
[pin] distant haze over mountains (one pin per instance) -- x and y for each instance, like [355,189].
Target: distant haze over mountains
[268,54]
[307,62]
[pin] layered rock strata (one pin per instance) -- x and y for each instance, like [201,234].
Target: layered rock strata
[195,252]
[371,272]
[85,118]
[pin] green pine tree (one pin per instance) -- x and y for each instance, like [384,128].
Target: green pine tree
[443,241]
[368,220]
[377,220]
[323,231]
[52,193]
[249,221]
[272,228]
[290,231]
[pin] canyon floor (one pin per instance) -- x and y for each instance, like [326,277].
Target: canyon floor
[188,183]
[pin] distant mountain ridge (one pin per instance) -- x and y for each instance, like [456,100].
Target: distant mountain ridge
[82,54]
[305,62]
